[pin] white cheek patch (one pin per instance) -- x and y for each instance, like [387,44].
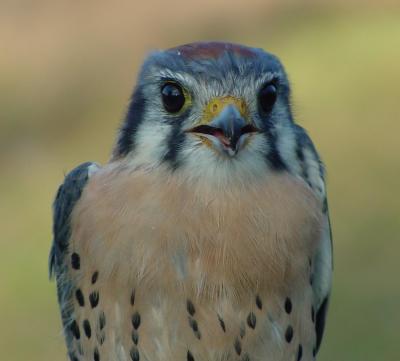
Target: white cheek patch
[151,143]
[286,145]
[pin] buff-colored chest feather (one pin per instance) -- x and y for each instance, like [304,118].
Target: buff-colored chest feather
[201,264]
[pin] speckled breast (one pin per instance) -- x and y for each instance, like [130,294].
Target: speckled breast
[169,272]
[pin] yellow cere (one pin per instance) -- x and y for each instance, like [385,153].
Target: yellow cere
[215,106]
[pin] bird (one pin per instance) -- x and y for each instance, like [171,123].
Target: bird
[206,236]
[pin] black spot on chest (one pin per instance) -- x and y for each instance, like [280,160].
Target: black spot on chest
[222,323]
[190,308]
[94,299]
[96,355]
[288,305]
[94,277]
[75,261]
[195,327]
[289,334]
[102,320]
[75,330]
[238,347]
[258,302]
[87,328]
[132,300]
[136,320]
[189,356]
[251,320]
[134,354]
[193,324]
[79,297]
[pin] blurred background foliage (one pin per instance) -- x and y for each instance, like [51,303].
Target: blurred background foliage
[66,72]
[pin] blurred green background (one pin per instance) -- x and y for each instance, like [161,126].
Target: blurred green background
[66,72]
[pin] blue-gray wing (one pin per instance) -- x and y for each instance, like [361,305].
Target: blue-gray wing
[67,196]
[312,171]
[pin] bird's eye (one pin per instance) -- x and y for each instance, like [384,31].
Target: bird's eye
[172,97]
[267,97]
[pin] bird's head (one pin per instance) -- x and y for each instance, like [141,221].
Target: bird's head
[215,110]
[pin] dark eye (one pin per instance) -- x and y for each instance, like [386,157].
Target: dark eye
[172,97]
[267,97]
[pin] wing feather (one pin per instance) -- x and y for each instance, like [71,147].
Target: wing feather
[313,173]
[66,198]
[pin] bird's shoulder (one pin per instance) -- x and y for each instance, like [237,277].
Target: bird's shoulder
[68,194]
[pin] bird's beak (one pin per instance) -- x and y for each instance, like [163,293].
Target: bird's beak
[227,128]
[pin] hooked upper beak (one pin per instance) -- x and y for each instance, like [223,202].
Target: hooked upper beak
[227,127]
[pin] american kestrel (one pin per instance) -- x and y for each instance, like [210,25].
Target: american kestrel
[206,237]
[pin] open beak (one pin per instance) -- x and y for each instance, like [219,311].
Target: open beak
[228,128]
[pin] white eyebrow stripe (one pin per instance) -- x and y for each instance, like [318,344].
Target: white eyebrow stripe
[183,78]
[187,79]
[265,78]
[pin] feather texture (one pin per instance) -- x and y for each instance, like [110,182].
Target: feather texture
[149,232]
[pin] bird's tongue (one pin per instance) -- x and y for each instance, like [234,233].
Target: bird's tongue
[217,133]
